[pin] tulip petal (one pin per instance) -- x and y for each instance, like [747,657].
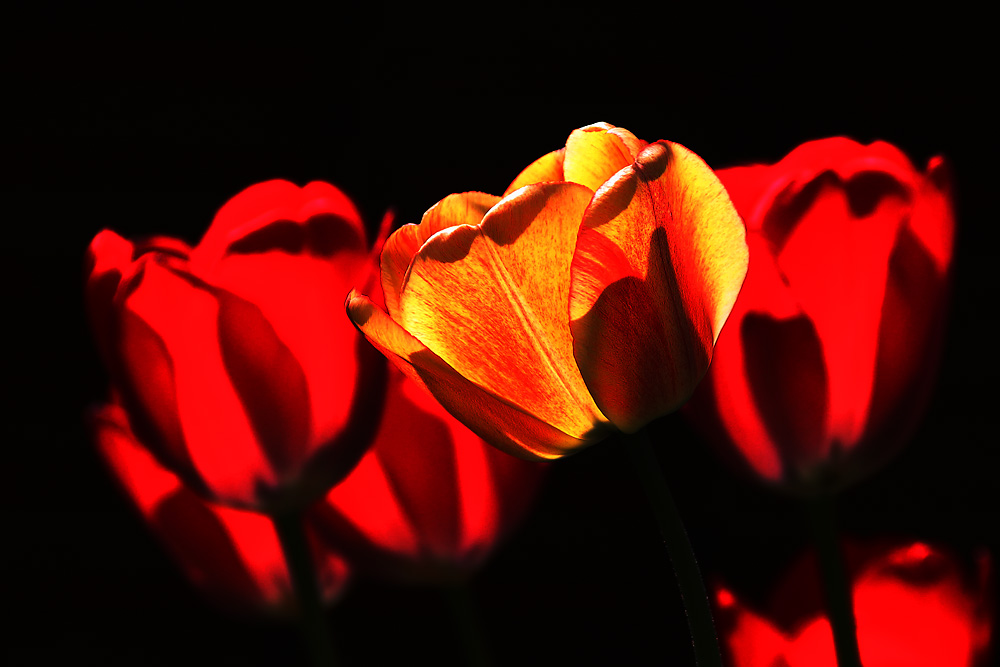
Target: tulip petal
[787,378]
[834,253]
[299,295]
[492,300]
[545,169]
[597,152]
[464,208]
[109,259]
[659,262]
[727,393]
[177,375]
[422,473]
[932,219]
[268,380]
[264,204]
[500,423]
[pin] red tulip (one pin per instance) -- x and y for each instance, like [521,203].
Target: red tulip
[234,358]
[914,607]
[231,555]
[430,500]
[585,300]
[827,358]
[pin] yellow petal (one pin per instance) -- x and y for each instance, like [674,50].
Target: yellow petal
[659,263]
[492,302]
[465,208]
[547,168]
[503,425]
[597,152]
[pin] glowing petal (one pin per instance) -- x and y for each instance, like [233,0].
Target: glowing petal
[660,260]
[504,425]
[548,168]
[596,152]
[264,204]
[491,301]
[464,208]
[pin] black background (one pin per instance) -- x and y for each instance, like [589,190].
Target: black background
[106,126]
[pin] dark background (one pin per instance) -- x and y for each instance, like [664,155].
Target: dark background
[108,127]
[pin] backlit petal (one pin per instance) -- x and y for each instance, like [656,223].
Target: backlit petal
[263,205]
[176,375]
[109,259]
[501,424]
[301,297]
[596,152]
[491,301]
[660,260]
[547,168]
[833,250]
[464,208]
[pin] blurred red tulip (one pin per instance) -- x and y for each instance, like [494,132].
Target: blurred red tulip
[233,556]
[828,356]
[430,500]
[585,300]
[914,606]
[234,359]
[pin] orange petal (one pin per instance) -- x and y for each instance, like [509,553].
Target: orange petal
[503,425]
[597,152]
[547,168]
[465,208]
[659,263]
[492,302]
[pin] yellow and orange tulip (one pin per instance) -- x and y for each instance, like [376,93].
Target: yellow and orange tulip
[586,299]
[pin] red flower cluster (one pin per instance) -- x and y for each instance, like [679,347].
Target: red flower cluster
[241,385]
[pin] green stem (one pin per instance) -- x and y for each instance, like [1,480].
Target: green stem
[822,521]
[699,613]
[312,622]
[466,616]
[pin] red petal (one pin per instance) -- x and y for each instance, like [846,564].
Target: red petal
[260,206]
[269,382]
[175,374]
[835,245]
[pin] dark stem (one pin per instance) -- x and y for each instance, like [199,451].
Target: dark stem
[465,613]
[837,588]
[696,606]
[312,622]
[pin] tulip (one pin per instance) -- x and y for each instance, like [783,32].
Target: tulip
[234,361]
[827,360]
[430,500]
[585,300]
[914,607]
[232,556]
